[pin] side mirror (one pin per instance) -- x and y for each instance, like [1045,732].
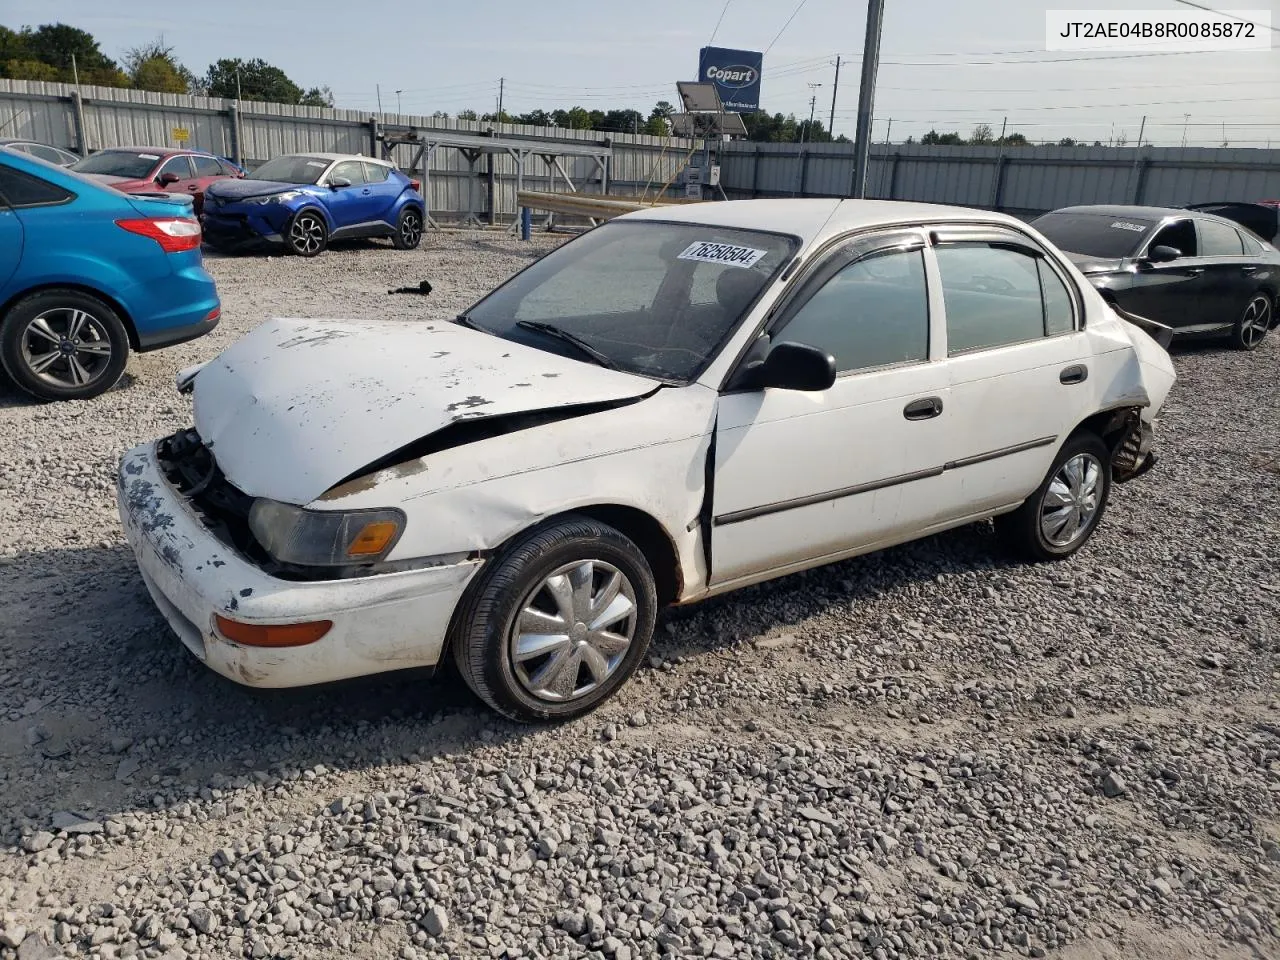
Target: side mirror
[167,178]
[1163,254]
[337,182]
[798,366]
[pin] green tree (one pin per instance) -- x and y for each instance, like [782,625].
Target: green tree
[982,134]
[258,80]
[943,139]
[621,121]
[317,97]
[1016,139]
[536,118]
[467,115]
[1068,142]
[31,70]
[153,66]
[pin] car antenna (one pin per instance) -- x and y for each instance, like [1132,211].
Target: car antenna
[423,288]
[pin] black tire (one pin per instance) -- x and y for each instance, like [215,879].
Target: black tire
[91,359]
[307,234]
[481,637]
[1023,529]
[408,229]
[1254,322]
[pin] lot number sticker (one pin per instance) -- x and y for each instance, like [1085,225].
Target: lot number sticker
[1134,227]
[725,253]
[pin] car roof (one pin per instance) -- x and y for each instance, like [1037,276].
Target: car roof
[162,151]
[1146,213]
[338,156]
[815,219]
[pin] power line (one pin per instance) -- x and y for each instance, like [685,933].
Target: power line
[798,8]
[1223,13]
[723,11]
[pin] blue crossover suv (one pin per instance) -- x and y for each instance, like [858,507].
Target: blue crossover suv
[88,273]
[305,200]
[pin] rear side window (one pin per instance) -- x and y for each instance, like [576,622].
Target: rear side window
[992,296]
[376,172]
[19,189]
[1219,240]
[1058,315]
[1251,246]
[207,167]
[228,169]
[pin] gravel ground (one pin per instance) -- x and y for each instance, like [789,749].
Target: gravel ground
[927,752]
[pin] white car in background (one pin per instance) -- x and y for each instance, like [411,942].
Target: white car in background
[678,403]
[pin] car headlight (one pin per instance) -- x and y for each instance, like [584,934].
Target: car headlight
[284,197]
[324,538]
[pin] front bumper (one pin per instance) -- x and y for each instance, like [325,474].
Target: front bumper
[381,622]
[233,229]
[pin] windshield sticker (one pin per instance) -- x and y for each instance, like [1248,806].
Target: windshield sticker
[317,163]
[1122,225]
[724,253]
[148,156]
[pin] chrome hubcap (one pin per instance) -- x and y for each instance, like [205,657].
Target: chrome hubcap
[573,630]
[66,347]
[1071,502]
[410,229]
[1256,321]
[307,233]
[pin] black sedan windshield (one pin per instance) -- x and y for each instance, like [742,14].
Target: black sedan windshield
[657,299]
[1106,237]
[291,170]
[118,163]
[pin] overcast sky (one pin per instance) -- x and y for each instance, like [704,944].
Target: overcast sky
[945,64]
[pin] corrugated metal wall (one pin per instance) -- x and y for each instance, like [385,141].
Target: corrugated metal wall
[1030,179]
[112,117]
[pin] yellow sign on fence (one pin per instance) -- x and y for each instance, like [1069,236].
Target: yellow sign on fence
[181,134]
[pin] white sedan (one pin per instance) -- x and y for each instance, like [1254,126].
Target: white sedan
[678,403]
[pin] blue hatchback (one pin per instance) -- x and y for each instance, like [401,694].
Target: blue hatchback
[305,200]
[86,273]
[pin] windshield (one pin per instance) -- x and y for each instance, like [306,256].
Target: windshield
[118,163]
[1105,236]
[657,299]
[291,170]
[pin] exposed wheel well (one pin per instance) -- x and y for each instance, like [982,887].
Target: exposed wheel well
[81,288]
[647,534]
[1108,425]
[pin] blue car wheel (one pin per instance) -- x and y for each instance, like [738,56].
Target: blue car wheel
[308,234]
[63,345]
[408,229]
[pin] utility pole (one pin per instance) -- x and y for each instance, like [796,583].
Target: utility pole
[1185,118]
[866,97]
[377,87]
[804,132]
[238,97]
[835,86]
[813,103]
[502,84]
[75,72]
[1141,130]
[888,130]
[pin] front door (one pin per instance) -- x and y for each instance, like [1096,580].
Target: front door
[350,205]
[1164,291]
[803,476]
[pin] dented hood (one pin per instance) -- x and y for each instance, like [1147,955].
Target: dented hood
[300,405]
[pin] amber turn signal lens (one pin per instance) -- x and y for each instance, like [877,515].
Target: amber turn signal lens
[372,539]
[272,634]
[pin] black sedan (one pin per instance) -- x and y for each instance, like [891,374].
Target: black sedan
[1200,274]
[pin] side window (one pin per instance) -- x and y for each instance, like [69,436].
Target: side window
[992,296]
[178,166]
[1219,240]
[1180,235]
[1251,246]
[207,167]
[45,153]
[376,172]
[872,313]
[352,170]
[1058,314]
[18,189]
[227,169]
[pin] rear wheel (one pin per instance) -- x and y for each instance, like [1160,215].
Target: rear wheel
[63,345]
[1060,517]
[557,623]
[308,235]
[1253,323]
[408,229]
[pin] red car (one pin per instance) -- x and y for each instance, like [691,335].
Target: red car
[149,170]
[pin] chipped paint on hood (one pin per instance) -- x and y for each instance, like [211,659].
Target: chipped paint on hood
[298,405]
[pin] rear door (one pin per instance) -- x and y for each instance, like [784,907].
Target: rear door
[1227,283]
[384,190]
[1018,364]
[207,171]
[10,227]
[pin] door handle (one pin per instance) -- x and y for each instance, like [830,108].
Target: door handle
[365,191]
[1249,269]
[1077,373]
[193,188]
[925,408]
[1195,270]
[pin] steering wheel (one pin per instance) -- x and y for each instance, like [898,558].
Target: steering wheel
[989,284]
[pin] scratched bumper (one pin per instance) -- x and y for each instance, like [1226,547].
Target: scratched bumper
[384,622]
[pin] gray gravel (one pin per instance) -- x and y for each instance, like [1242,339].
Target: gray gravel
[930,752]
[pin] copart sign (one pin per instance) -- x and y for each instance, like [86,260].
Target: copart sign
[736,74]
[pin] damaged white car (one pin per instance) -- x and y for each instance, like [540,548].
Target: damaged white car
[675,404]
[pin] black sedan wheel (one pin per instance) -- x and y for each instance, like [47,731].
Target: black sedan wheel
[308,235]
[1253,323]
[408,229]
[63,345]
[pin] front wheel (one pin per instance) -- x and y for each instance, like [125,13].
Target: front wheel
[557,623]
[1253,323]
[408,229]
[308,235]
[63,345]
[1060,517]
